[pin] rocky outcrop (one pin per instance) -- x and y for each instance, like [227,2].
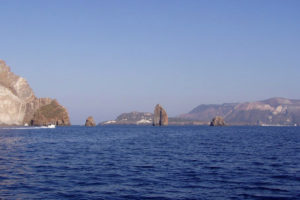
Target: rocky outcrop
[217,121]
[19,105]
[90,121]
[50,113]
[160,117]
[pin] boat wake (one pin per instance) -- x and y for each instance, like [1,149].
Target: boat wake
[28,128]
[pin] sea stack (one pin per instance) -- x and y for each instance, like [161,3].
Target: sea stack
[217,121]
[160,117]
[20,106]
[90,121]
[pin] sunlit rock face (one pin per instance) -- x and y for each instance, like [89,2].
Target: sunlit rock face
[217,121]
[90,121]
[160,117]
[50,112]
[18,104]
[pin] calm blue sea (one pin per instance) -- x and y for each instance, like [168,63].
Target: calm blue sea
[136,162]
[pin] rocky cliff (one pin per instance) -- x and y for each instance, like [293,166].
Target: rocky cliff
[160,117]
[19,105]
[274,111]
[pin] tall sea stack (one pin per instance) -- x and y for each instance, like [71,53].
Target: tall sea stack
[160,117]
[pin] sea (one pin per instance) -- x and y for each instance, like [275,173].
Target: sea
[145,162]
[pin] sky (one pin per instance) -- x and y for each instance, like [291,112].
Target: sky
[104,58]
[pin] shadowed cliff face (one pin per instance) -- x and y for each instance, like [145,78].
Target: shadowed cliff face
[19,105]
[160,116]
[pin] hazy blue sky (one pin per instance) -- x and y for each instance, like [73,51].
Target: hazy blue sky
[103,58]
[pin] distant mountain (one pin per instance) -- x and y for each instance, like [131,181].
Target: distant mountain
[146,118]
[274,111]
[206,112]
[132,118]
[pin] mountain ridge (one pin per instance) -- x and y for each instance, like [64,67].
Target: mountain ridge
[272,111]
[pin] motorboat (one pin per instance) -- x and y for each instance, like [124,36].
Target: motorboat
[51,126]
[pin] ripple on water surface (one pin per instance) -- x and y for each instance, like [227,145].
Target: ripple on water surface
[136,162]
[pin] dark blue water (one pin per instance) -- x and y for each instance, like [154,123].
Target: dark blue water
[134,162]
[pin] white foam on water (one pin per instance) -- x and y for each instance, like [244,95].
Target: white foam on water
[26,128]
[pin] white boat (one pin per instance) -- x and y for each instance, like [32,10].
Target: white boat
[51,126]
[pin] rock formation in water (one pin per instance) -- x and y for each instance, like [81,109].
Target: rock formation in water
[51,113]
[217,121]
[90,121]
[19,105]
[160,117]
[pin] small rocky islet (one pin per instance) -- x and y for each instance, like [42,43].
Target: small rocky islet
[90,121]
[217,121]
